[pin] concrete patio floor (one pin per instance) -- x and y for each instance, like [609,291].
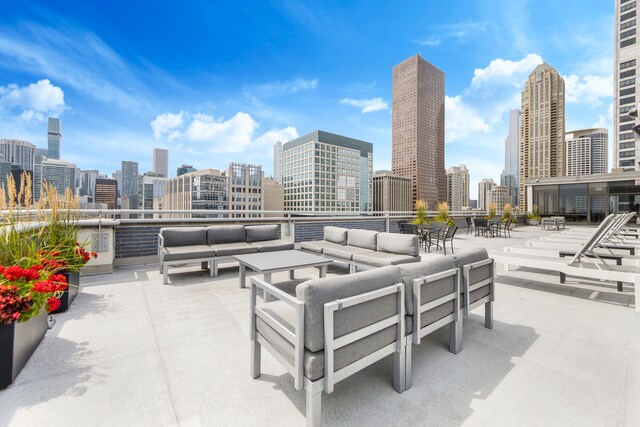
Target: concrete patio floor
[132,352]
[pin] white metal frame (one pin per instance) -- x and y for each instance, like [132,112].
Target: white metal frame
[164,265]
[468,287]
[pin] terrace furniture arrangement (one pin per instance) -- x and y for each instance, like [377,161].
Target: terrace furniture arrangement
[336,326]
[213,244]
[365,248]
[553,222]
[587,262]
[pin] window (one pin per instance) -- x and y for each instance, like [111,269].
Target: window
[627,82]
[628,135]
[628,64]
[628,15]
[625,145]
[628,42]
[628,100]
[628,33]
[627,6]
[629,73]
[626,163]
[628,91]
[626,127]
[627,24]
[627,153]
[625,109]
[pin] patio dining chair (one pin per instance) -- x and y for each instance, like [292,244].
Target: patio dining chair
[481,226]
[469,224]
[448,236]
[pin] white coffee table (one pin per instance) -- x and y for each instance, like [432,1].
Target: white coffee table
[272,262]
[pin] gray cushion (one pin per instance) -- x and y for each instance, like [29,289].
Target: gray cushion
[335,235]
[429,265]
[315,293]
[184,236]
[362,238]
[225,234]
[474,255]
[260,233]
[380,259]
[436,313]
[184,253]
[404,244]
[318,246]
[314,361]
[228,249]
[273,245]
[344,252]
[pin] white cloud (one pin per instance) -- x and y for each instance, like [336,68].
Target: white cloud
[459,32]
[165,123]
[589,89]
[461,120]
[366,105]
[269,138]
[504,72]
[35,99]
[231,136]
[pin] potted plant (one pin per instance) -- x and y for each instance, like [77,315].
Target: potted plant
[421,213]
[443,214]
[508,213]
[492,210]
[28,289]
[534,217]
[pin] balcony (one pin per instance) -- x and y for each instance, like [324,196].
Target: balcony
[131,351]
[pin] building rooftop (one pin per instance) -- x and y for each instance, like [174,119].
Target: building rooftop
[131,351]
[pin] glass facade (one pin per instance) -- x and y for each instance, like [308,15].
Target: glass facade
[587,202]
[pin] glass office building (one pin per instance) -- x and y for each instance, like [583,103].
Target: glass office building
[586,199]
[327,172]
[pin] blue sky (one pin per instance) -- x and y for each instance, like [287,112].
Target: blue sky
[221,81]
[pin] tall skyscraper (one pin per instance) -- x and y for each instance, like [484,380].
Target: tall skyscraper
[626,90]
[277,163]
[510,175]
[88,183]
[484,187]
[60,174]
[458,187]
[587,151]
[106,192]
[54,138]
[161,162]
[323,171]
[542,148]
[418,128]
[130,179]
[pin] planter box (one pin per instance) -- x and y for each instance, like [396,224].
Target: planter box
[534,222]
[18,341]
[73,279]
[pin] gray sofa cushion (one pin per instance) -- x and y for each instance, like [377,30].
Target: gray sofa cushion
[260,233]
[344,252]
[318,246]
[225,234]
[183,253]
[403,244]
[184,236]
[335,235]
[314,361]
[273,245]
[362,239]
[429,265]
[471,256]
[380,259]
[315,293]
[229,249]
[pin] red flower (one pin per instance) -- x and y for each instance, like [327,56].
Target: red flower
[31,274]
[53,304]
[13,273]
[44,287]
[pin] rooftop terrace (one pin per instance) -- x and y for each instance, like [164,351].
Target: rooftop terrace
[133,352]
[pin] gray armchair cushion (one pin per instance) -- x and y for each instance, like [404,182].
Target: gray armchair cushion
[335,235]
[317,292]
[273,245]
[430,265]
[344,252]
[184,236]
[436,313]
[471,256]
[230,249]
[225,234]
[260,233]
[362,239]
[380,259]
[183,253]
[314,361]
[318,246]
[403,244]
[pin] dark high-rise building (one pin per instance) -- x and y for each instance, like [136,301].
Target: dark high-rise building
[418,128]
[130,179]
[54,138]
[106,192]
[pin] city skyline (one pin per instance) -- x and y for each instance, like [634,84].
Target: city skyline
[228,86]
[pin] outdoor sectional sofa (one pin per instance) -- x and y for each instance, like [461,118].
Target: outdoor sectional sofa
[336,326]
[365,248]
[215,243]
